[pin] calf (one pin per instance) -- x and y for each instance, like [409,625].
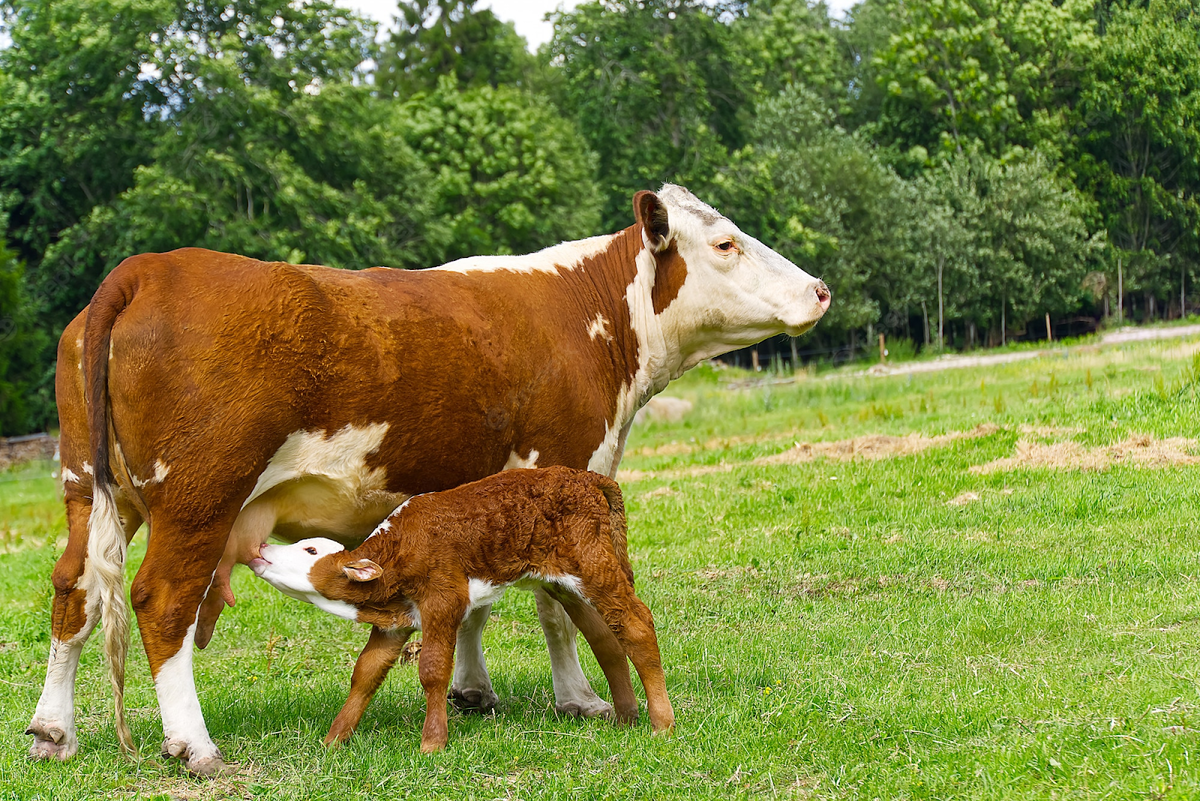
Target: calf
[443,554]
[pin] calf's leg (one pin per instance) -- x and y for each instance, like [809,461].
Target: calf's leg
[632,623]
[438,632]
[572,693]
[608,651]
[372,667]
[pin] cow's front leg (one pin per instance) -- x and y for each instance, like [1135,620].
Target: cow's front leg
[167,594]
[472,687]
[572,693]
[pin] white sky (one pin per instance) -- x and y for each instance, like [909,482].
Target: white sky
[527,15]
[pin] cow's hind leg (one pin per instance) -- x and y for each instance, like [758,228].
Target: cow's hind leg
[572,693]
[178,569]
[472,687]
[74,614]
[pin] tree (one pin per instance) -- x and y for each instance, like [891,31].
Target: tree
[442,38]
[1138,145]
[507,174]
[653,86]
[999,73]
[26,366]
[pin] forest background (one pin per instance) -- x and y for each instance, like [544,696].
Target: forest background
[954,169]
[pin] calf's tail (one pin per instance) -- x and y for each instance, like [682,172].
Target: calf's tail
[107,546]
[618,528]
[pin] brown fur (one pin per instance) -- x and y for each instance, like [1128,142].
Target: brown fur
[553,522]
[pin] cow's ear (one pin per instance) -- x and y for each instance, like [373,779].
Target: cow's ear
[649,210]
[362,570]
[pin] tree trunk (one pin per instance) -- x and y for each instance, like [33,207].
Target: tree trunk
[925,316]
[1003,335]
[941,306]
[795,356]
[1120,294]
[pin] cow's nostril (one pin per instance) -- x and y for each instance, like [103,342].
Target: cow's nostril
[823,296]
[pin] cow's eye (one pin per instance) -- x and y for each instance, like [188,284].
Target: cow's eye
[311,550]
[725,245]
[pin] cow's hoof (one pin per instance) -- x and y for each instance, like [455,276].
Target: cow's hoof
[594,707]
[51,741]
[205,766]
[473,699]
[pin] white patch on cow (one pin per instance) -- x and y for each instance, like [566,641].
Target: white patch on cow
[68,475]
[516,462]
[160,473]
[182,718]
[481,592]
[321,485]
[383,527]
[287,569]
[599,328]
[566,256]
[87,469]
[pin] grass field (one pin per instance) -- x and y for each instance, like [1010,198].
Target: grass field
[868,618]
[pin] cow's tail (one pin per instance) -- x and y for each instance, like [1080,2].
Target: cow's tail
[618,529]
[106,535]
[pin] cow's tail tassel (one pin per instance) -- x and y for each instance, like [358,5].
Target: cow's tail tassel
[106,556]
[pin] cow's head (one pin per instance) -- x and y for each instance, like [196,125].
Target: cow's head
[716,288]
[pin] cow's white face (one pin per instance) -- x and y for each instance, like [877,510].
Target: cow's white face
[287,568]
[738,291]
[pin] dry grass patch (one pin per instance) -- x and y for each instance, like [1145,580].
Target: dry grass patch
[1140,450]
[873,446]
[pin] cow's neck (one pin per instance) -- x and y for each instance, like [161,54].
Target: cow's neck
[616,290]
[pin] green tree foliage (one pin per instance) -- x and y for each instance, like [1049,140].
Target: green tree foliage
[26,366]
[781,43]
[653,86]
[1137,149]
[507,173]
[995,73]
[74,102]
[440,38]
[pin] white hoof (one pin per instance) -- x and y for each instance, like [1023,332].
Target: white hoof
[51,741]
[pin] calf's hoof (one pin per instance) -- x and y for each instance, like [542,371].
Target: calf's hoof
[593,707]
[204,766]
[51,741]
[472,699]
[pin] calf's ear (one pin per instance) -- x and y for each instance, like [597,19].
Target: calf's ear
[649,210]
[362,570]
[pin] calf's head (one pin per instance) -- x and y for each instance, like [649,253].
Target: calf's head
[717,288]
[318,571]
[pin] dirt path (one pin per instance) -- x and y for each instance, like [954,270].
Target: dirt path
[954,361]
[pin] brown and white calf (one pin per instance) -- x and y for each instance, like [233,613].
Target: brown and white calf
[443,554]
[222,399]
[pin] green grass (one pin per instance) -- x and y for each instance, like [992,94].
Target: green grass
[831,629]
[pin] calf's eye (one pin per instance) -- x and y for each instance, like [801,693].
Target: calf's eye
[725,246]
[311,550]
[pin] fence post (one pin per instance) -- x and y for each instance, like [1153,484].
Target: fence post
[882,351]
[1049,330]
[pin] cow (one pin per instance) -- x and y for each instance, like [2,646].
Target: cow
[444,553]
[222,399]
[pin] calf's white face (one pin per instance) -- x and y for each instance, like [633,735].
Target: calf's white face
[738,291]
[287,569]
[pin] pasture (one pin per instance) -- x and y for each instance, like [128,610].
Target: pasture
[976,583]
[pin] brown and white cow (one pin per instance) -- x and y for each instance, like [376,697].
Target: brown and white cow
[222,399]
[444,553]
